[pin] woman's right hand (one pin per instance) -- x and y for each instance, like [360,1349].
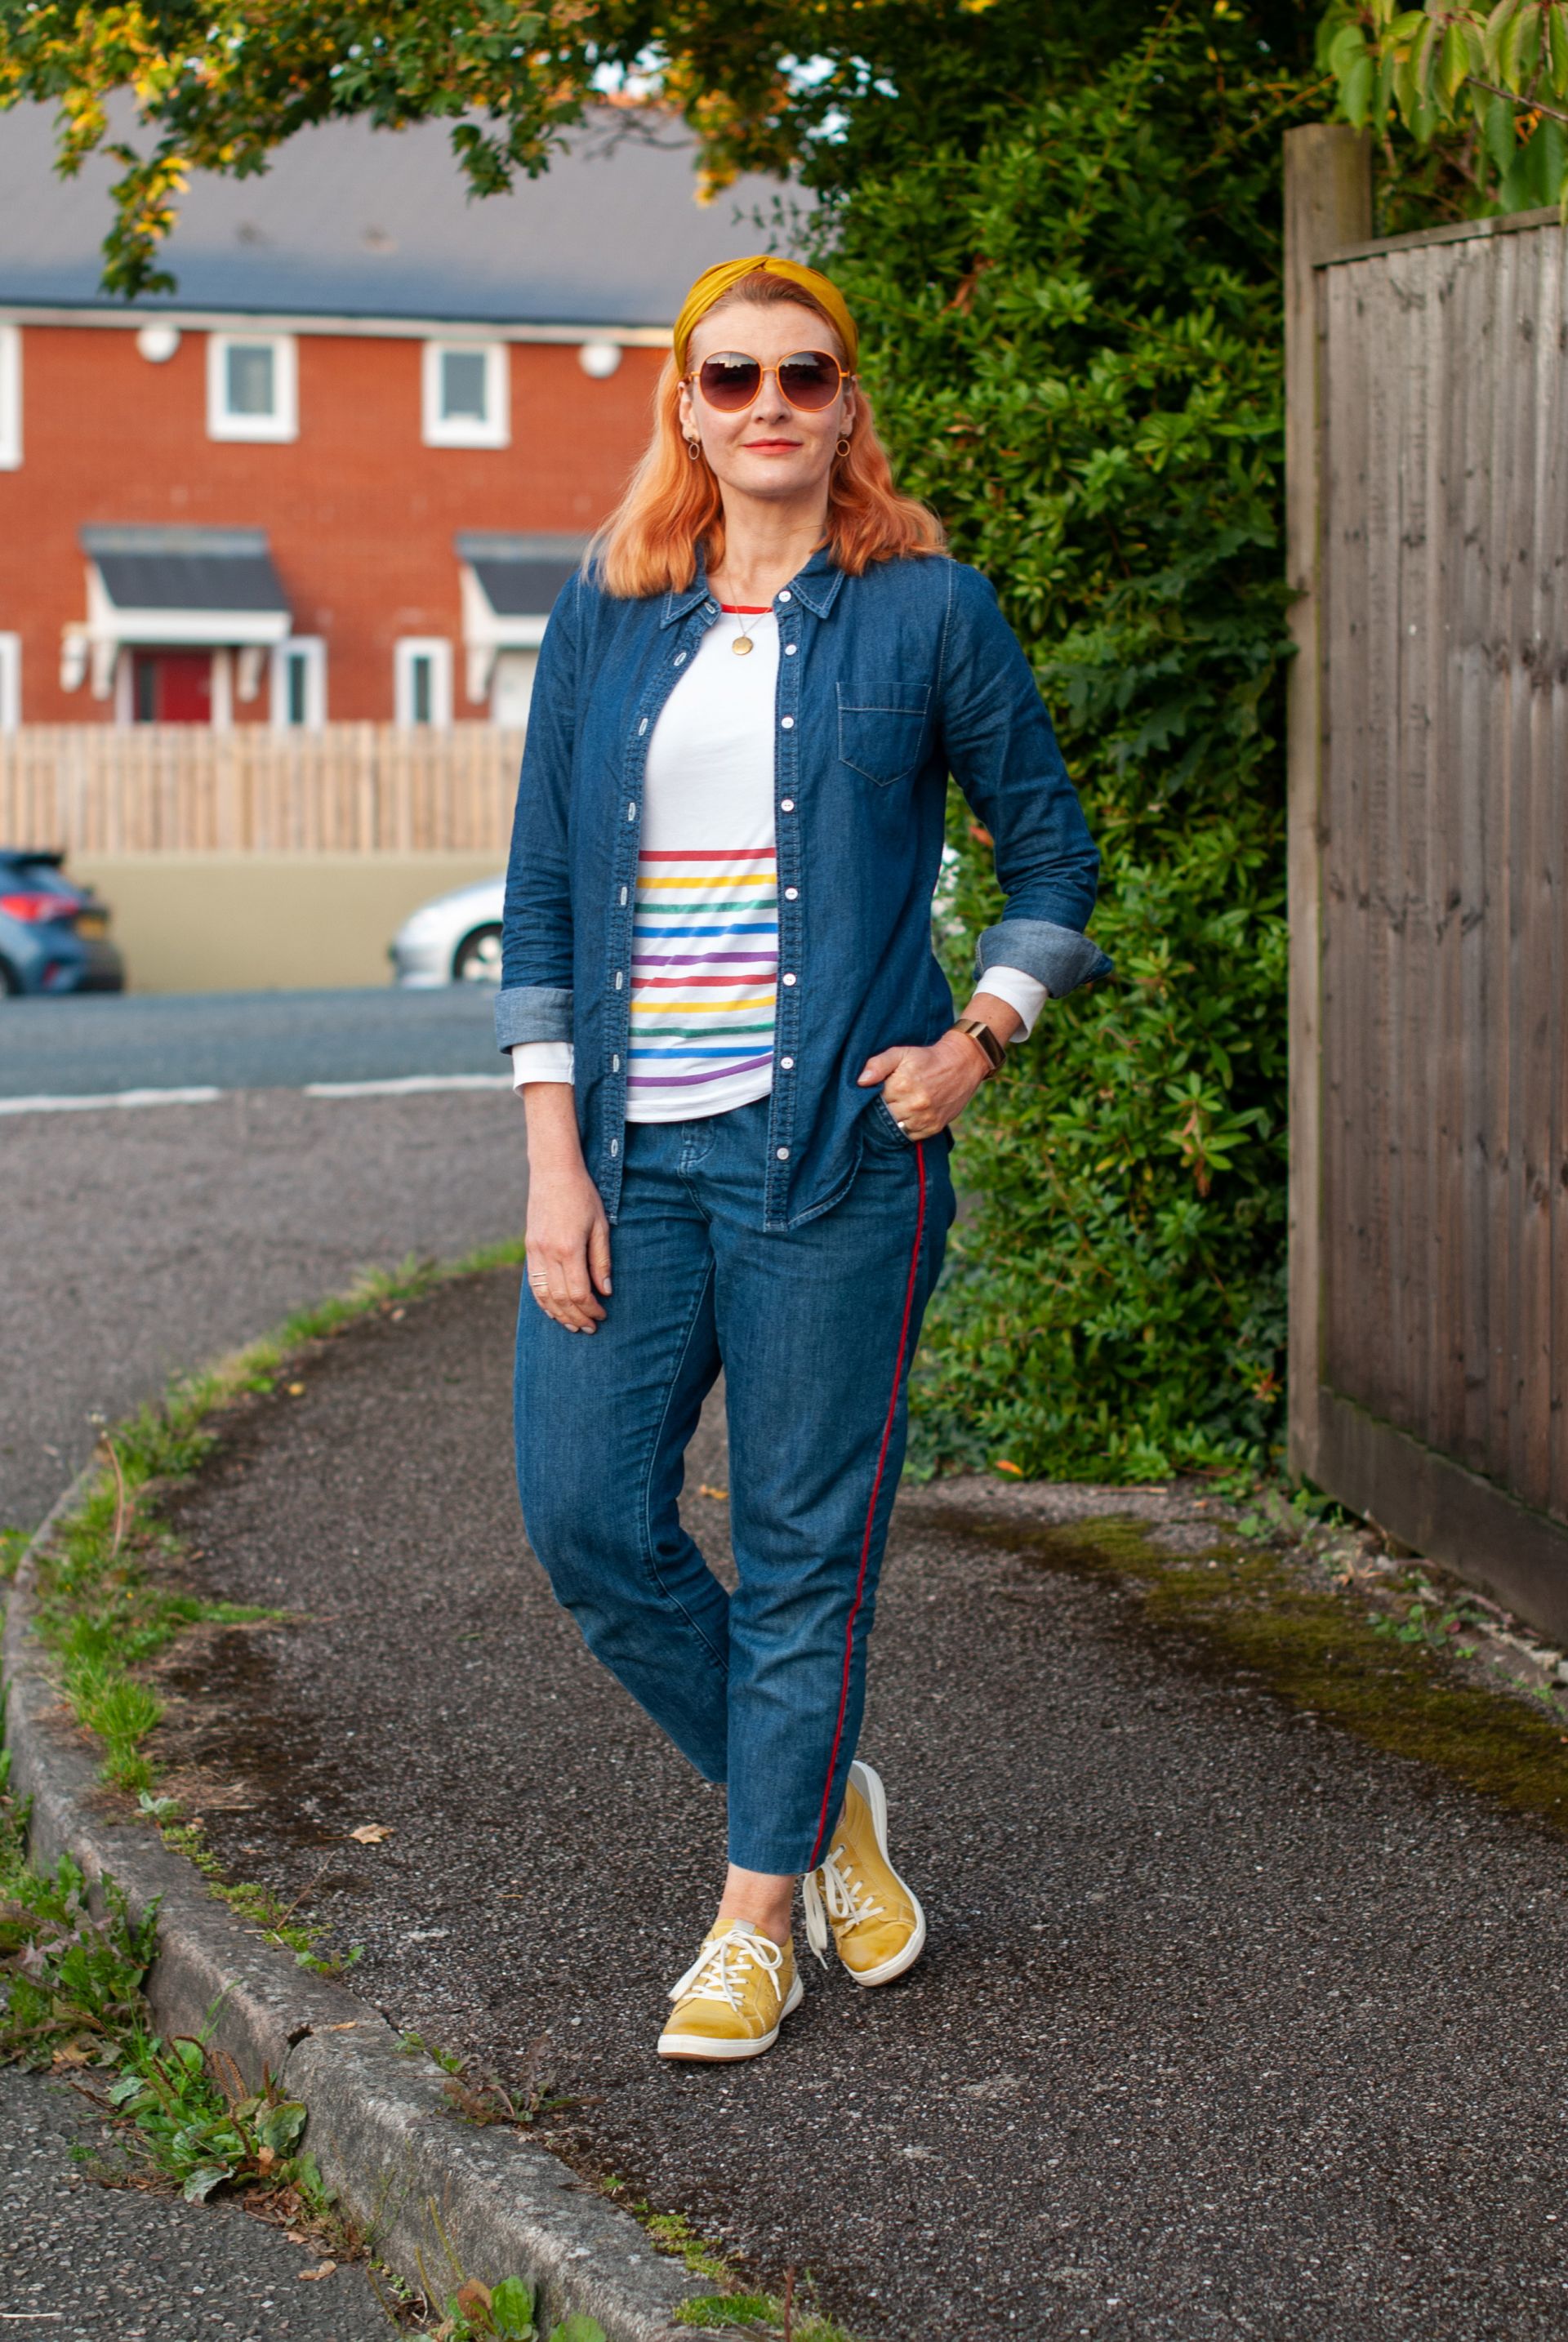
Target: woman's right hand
[568,1234]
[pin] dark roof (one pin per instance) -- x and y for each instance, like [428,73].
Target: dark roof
[351,221]
[186,568]
[520,576]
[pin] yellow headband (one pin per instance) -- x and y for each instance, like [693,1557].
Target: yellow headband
[715,281]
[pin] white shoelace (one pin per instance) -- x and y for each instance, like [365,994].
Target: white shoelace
[720,1969]
[846,1900]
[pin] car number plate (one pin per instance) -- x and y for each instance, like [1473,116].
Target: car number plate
[92,923]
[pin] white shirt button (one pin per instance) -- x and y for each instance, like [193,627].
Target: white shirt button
[783,1153]
[789,979]
[786,805]
[632,810]
[614,1064]
[790,650]
[642,727]
[680,658]
[785,596]
[614,1146]
[710,608]
[788,1064]
[622,893]
[788,723]
[619,979]
[791,893]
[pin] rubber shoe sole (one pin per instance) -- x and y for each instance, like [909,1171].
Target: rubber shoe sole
[704,2045]
[869,1784]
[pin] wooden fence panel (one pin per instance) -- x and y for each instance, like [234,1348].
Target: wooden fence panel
[1430,1350]
[365,788]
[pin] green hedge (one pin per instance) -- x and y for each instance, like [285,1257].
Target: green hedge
[1075,337]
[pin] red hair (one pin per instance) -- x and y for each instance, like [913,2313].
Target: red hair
[673,506]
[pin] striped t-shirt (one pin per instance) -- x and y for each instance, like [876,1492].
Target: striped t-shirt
[704,939]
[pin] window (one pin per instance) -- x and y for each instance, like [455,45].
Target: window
[422,674]
[10,682]
[512,688]
[299,684]
[465,395]
[252,387]
[10,397]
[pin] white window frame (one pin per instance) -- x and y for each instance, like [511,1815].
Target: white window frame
[313,649]
[438,651]
[466,430]
[10,682]
[10,398]
[283,422]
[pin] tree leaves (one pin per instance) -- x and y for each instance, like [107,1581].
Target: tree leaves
[1486,84]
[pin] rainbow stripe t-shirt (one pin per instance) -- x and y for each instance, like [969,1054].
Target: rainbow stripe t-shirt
[705,940]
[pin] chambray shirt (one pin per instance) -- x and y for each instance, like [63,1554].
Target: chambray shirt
[887,683]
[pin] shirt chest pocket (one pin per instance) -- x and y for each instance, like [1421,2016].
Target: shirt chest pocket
[880,729]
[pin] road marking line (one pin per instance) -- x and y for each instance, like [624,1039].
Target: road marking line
[108,1097]
[400,1086]
[403,1085]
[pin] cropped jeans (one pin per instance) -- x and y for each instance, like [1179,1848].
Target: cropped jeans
[813,1328]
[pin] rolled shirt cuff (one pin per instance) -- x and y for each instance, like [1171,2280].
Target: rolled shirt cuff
[542,1061]
[532,1011]
[1024,993]
[1058,958]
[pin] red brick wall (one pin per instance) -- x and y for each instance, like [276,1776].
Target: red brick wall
[359,513]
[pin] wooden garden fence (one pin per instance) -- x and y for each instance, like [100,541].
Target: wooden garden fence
[182,788]
[1428,525]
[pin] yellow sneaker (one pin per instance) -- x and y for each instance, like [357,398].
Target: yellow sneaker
[734,1997]
[874,1916]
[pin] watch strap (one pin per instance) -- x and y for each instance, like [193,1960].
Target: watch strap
[993,1051]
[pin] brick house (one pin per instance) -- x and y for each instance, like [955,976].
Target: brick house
[343,472]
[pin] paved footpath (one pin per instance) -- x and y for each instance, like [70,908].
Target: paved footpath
[1230,2025]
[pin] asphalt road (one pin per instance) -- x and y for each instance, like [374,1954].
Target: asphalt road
[134,1243]
[108,1042]
[82,2262]
[1229,2026]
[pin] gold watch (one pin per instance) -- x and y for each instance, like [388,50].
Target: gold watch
[993,1051]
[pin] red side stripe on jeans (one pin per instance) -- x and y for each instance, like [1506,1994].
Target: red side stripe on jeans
[870,1508]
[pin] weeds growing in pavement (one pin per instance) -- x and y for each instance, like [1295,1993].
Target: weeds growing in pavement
[468,2311]
[71,2002]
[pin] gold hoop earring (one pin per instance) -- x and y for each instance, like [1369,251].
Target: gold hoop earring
[843,448]
[694,449]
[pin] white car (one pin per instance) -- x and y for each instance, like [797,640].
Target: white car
[456,939]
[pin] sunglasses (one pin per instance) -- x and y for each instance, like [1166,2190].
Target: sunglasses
[809,380]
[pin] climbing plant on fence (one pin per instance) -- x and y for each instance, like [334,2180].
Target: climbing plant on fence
[1075,336]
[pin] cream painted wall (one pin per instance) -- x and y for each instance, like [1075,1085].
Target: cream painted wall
[257,922]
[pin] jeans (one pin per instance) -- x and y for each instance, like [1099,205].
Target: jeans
[813,1328]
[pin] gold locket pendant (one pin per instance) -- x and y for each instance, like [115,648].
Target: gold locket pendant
[742,646]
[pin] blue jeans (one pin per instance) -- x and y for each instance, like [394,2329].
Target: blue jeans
[813,1328]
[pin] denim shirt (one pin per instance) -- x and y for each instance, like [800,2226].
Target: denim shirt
[887,683]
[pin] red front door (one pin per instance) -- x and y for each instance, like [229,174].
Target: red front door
[172,686]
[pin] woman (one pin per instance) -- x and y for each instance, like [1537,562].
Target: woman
[736,1050]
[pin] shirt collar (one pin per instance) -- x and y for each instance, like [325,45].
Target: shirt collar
[816,585]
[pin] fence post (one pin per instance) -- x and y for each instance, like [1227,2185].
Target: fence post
[1328,204]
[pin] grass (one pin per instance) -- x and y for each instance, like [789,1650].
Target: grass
[103,1611]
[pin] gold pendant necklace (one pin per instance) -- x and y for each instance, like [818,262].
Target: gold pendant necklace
[742,645]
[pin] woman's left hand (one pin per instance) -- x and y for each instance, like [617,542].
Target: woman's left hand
[926,1089]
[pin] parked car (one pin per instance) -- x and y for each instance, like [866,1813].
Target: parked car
[53,934]
[455,940]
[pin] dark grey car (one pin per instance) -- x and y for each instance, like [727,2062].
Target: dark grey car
[53,934]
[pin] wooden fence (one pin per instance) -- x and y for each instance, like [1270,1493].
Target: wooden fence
[1429,864]
[181,788]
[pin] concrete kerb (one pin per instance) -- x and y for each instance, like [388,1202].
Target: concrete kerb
[406,2169]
